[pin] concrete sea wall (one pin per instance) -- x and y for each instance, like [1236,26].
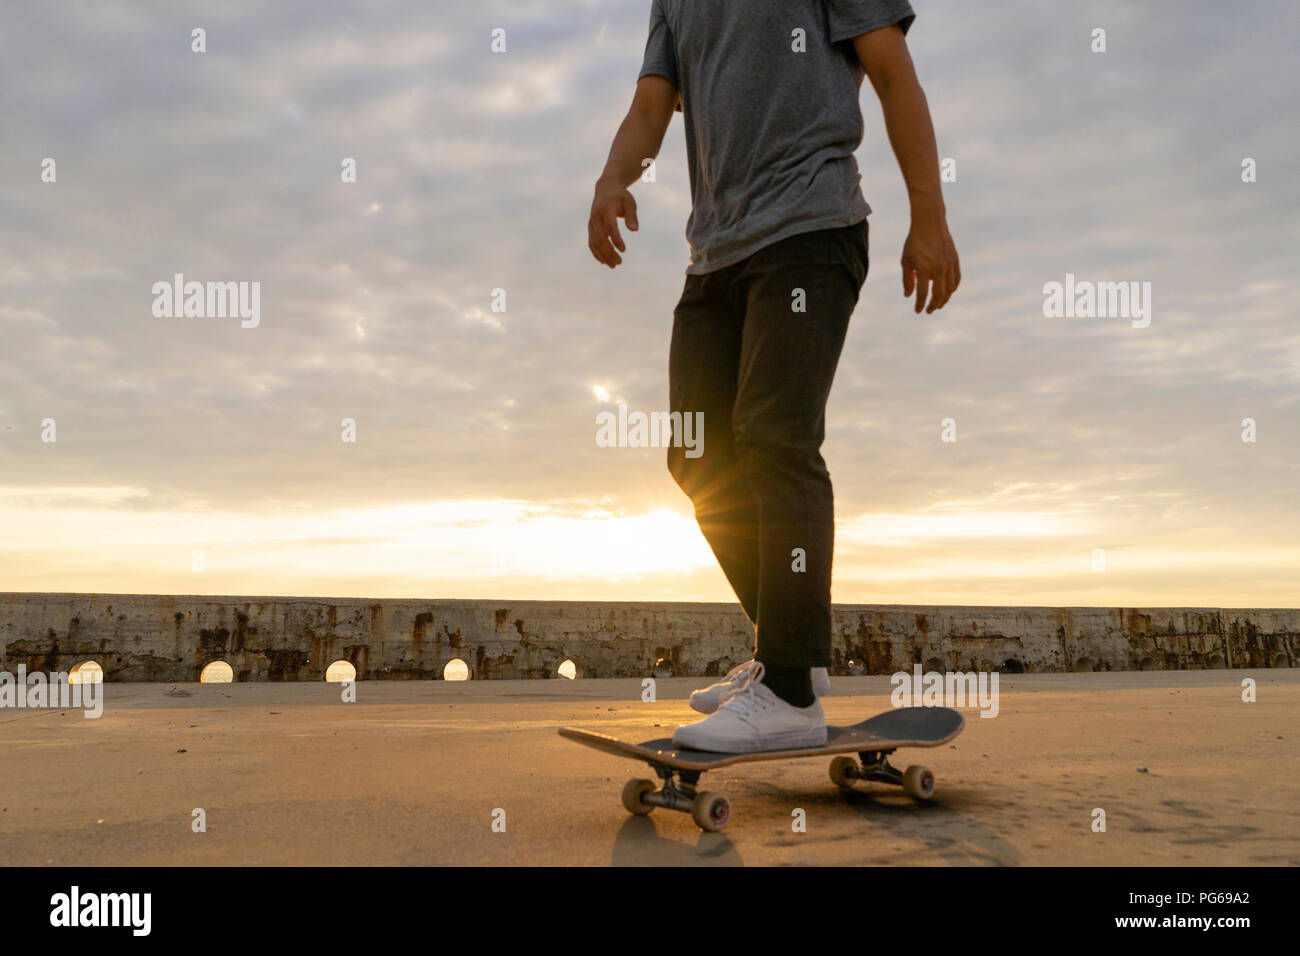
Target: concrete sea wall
[143,637]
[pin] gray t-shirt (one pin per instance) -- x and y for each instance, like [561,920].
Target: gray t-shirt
[770,129]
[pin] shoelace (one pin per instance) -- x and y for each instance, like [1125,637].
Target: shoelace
[736,672]
[742,699]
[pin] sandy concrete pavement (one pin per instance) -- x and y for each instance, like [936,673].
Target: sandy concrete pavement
[412,773]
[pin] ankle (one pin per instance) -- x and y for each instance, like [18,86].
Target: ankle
[792,684]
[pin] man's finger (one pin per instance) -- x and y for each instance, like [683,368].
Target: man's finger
[600,243]
[940,293]
[951,280]
[592,232]
[629,213]
[612,258]
[597,242]
[922,291]
[611,227]
[908,277]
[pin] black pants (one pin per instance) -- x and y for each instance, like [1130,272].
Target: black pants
[760,370]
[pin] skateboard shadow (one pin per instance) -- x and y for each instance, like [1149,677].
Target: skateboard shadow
[639,843]
[956,837]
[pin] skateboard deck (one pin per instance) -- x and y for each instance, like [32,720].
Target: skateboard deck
[873,740]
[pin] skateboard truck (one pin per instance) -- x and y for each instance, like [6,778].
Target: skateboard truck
[709,810]
[917,781]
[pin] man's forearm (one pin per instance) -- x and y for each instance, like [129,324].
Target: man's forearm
[911,134]
[638,139]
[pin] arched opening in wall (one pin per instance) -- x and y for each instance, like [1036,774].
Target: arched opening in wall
[1149,664]
[1215,661]
[1083,664]
[456,670]
[568,670]
[663,668]
[1012,666]
[934,664]
[856,668]
[218,672]
[340,671]
[1281,660]
[87,672]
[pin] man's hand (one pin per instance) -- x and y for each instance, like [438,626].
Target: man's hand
[611,203]
[930,262]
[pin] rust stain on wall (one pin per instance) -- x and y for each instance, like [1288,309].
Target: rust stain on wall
[167,637]
[418,628]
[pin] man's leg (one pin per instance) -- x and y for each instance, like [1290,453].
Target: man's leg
[787,364]
[703,366]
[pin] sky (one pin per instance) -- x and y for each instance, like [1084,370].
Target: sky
[1095,462]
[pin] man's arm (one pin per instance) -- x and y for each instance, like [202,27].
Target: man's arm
[929,256]
[638,139]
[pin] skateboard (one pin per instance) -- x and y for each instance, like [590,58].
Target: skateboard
[873,740]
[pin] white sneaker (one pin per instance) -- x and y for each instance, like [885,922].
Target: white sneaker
[706,700]
[752,718]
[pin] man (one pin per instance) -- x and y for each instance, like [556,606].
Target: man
[768,90]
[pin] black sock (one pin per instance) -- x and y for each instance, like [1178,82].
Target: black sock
[792,684]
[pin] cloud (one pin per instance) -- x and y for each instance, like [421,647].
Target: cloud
[474,174]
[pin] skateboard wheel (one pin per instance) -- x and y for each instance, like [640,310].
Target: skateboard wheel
[840,771]
[711,811]
[632,791]
[918,782]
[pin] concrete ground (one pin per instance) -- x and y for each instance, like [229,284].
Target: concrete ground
[413,772]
